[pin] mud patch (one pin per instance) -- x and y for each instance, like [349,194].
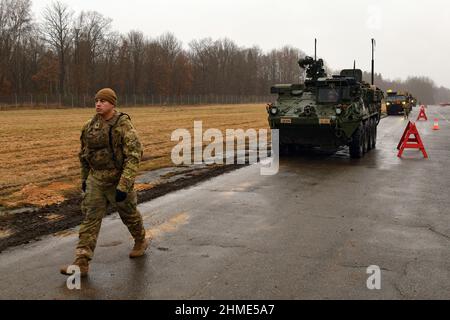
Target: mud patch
[25,226]
[54,217]
[169,226]
[5,233]
[144,186]
[40,196]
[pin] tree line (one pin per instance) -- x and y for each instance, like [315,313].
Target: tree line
[423,88]
[78,53]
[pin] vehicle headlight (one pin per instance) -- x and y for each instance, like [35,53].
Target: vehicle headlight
[388,104]
[338,111]
[273,110]
[403,102]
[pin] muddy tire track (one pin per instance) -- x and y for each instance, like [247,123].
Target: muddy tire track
[27,227]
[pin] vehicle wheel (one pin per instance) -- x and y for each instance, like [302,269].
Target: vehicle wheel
[366,137]
[357,144]
[374,136]
[369,134]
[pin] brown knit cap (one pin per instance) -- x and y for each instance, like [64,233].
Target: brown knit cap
[108,95]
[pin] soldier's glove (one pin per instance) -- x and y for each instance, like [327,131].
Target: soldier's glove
[83,186]
[120,196]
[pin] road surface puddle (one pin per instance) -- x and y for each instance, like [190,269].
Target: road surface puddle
[111,244]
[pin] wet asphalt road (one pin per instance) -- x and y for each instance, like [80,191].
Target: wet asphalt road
[309,232]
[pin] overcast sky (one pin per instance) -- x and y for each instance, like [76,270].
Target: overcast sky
[412,36]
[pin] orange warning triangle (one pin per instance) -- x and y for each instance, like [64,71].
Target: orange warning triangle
[408,142]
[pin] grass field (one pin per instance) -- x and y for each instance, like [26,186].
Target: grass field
[39,148]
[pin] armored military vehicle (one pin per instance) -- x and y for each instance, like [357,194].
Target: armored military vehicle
[399,102]
[327,112]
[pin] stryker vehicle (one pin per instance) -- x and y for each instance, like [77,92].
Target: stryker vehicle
[399,102]
[327,112]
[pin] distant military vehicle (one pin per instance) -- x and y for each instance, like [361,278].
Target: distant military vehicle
[399,102]
[414,101]
[327,112]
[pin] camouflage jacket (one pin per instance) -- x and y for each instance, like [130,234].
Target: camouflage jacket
[110,151]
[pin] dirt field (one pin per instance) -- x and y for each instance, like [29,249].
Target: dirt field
[38,148]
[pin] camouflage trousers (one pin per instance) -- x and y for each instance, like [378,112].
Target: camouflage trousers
[94,205]
[406,113]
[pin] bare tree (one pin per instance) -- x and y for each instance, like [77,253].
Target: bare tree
[89,34]
[15,29]
[136,50]
[78,56]
[108,60]
[57,32]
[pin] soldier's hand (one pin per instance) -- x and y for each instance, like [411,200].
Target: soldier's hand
[120,196]
[83,186]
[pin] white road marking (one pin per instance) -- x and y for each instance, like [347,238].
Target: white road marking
[442,116]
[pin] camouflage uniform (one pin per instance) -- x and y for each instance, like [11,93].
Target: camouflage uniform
[110,155]
[407,111]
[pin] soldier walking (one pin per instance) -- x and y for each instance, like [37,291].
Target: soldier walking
[407,111]
[110,155]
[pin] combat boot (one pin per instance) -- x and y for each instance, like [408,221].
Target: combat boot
[139,248]
[82,263]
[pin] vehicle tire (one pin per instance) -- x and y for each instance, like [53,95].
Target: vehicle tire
[366,137]
[370,134]
[357,144]
[374,135]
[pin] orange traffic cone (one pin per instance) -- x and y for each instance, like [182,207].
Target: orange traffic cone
[436,124]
